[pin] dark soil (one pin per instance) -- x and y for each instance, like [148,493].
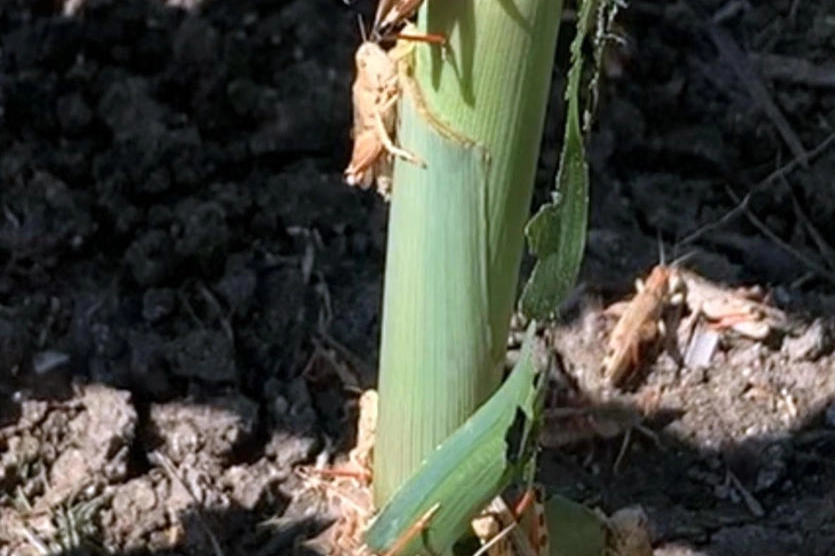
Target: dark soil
[186,283]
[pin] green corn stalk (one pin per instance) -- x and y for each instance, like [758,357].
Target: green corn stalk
[475,114]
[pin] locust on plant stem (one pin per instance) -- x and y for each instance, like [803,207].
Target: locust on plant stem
[375,93]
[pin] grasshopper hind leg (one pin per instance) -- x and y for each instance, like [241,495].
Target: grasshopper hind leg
[391,148]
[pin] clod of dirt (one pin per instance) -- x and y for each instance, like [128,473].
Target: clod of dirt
[150,258]
[59,459]
[248,486]
[158,303]
[97,442]
[237,286]
[74,114]
[755,539]
[289,449]
[204,354]
[130,112]
[774,466]
[147,365]
[196,45]
[204,236]
[136,510]
[295,438]
[815,342]
[215,426]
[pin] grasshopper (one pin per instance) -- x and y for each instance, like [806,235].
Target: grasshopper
[375,93]
[639,324]
[739,310]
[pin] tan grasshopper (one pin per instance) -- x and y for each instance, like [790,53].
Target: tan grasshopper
[375,93]
[639,324]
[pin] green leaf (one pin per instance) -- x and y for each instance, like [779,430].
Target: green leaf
[473,465]
[557,233]
[573,529]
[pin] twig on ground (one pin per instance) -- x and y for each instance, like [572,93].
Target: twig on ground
[730,10]
[803,160]
[795,70]
[34,540]
[215,305]
[166,464]
[752,503]
[741,65]
[824,248]
[802,258]
[740,208]
[780,173]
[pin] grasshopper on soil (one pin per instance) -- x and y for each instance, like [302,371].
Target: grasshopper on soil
[639,324]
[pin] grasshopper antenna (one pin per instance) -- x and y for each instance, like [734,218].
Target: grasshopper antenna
[361,25]
[678,261]
[684,258]
[661,255]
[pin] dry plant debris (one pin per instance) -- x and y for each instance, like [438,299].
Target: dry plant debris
[502,530]
[348,487]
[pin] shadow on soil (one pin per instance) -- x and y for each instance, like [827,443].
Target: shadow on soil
[186,281]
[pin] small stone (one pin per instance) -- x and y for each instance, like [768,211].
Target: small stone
[773,469]
[237,287]
[215,426]
[158,303]
[289,449]
[814,343]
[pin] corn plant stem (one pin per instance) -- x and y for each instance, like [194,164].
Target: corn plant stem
[456,226]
